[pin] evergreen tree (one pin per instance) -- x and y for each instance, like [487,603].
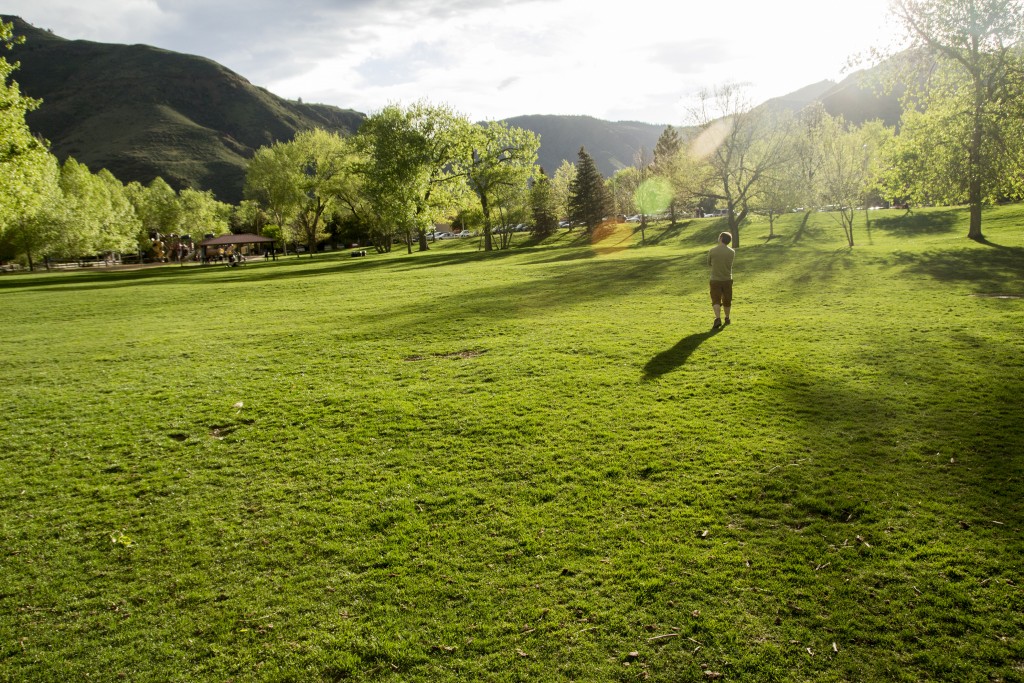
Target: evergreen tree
[666,149]
[589,200]
[667,165]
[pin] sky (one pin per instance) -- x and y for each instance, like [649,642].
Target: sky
[628,60]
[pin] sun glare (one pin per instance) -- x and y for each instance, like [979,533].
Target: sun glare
[711,138]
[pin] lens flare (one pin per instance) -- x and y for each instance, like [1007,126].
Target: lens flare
[711,138]
[653,196]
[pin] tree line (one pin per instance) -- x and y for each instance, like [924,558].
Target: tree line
[409,168]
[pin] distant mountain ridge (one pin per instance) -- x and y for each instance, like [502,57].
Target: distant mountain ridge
[611,144]
[854,98]
[143,112]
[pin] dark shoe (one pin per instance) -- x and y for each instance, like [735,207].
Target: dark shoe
[727,321]
[717,324]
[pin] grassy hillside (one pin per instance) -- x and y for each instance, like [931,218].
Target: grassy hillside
[142,112]
[533,465]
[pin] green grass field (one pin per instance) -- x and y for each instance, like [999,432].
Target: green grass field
[532,465]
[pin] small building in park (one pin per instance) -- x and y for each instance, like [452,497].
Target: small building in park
[246,244]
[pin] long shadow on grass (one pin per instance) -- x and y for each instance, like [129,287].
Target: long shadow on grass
[875,442]
[93,279]
[569,283]
[675,357]
[992,271]
[284,269]
[671,232]
[912,224]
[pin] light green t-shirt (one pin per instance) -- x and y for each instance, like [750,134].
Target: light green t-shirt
[720,261]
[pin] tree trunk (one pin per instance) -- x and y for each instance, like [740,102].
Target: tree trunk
[734,226]
[847,219]
[486,209]
[974,170]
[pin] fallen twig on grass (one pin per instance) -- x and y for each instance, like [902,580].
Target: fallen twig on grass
[666,635]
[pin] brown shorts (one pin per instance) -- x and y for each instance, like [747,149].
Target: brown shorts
[721,292]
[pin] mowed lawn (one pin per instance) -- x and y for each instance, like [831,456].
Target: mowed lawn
[529,465]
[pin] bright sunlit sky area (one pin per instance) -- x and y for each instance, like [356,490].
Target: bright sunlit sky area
[638,60]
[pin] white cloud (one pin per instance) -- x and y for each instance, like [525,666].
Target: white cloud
[126,21]
[642,60]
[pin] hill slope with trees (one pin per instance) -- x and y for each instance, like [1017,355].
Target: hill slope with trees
[143,112]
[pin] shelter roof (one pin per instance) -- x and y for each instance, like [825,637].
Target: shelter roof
[245,238]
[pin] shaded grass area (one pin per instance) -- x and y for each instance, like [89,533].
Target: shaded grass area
[532,465]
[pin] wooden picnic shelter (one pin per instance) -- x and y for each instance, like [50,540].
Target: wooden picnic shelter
[227,241]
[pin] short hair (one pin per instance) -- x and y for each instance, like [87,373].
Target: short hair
[725,237]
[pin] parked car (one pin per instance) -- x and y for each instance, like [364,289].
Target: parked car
[445,236]
[464,233]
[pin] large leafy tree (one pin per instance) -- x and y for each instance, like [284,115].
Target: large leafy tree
[978,85]
[81,211]
[158,210]
[501,165]
[589,200]
[414,164]
[248,216]
[623,186]
[94,213]
[33,227]
[119,224]
[301,183]
[325,168]
[26,165]
[511,206]
[80,214]
[272,180]
[561,183]
[202,214]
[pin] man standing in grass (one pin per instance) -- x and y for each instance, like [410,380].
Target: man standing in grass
[720,260]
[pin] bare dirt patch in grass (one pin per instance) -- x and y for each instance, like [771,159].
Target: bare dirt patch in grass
[468,353]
